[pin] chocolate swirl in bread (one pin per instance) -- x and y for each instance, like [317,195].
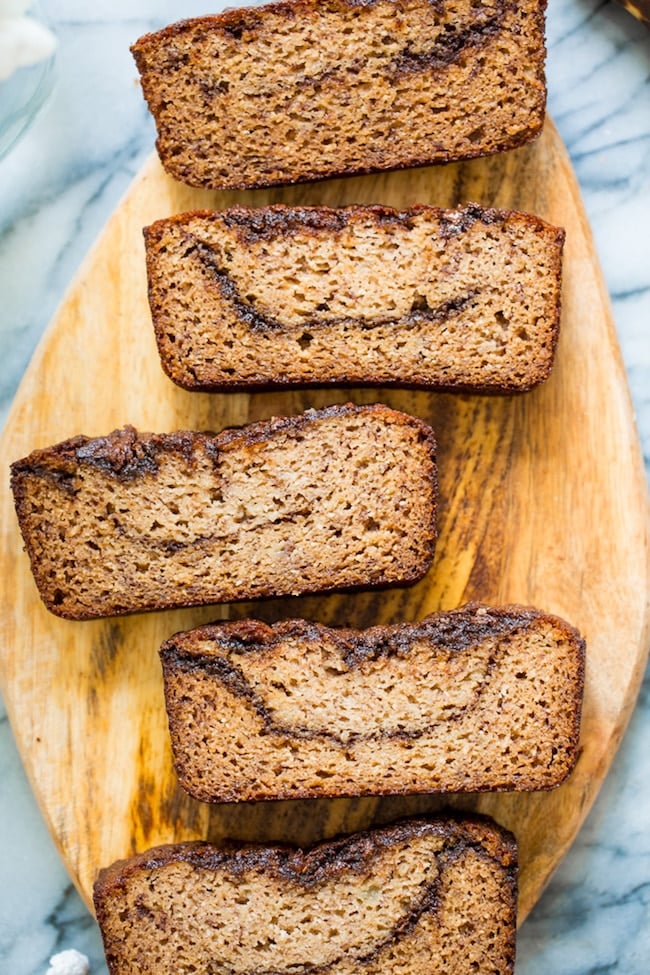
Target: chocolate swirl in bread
[306,89]
[388,900]
[134,522]
[465,701]
[455,299]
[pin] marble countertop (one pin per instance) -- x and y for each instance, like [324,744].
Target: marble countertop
[57,188]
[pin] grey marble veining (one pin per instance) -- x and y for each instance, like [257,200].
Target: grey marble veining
[58,187]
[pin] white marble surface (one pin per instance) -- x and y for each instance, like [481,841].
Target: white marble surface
[57,188]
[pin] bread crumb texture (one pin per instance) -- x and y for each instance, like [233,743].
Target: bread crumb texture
[334,498]
[415,898]
[306,89]
[472,700]
[455,299]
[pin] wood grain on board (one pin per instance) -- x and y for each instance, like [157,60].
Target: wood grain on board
[543,501]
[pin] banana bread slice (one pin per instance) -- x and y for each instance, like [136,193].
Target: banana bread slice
[340,497]
[458,299]
[416,897]
[307,89]
[471,700]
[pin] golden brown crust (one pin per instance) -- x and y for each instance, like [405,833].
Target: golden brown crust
[457,627]
[279,219]
[311,865]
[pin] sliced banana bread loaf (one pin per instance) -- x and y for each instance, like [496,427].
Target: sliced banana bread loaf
[334,498]
[305,89]
[416,897]
[471,700]
[461,299]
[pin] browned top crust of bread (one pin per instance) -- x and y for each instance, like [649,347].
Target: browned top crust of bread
[385,900]
[342,497]
[475,699]
[464,299]
[306,89]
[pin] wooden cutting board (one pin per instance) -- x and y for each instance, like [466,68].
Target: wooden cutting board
[543,501]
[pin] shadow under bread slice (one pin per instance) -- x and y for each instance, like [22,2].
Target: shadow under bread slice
[308,89]
[341,497]
[465,299]
[415,897]
[476,699]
